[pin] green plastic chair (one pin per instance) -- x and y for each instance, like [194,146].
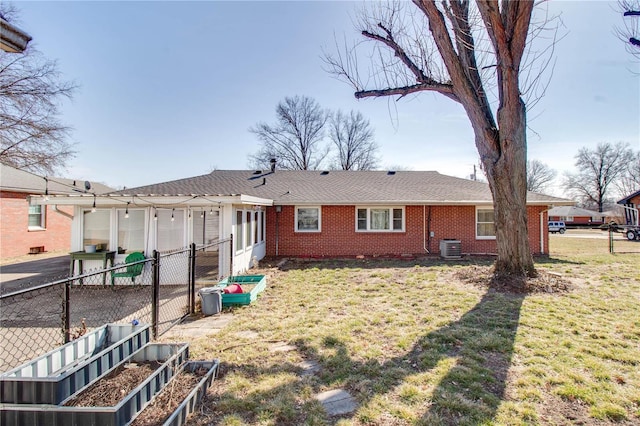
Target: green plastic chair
[132,270]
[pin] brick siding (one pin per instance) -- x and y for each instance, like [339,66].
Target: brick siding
[577,220]
[338,236]
[15,237]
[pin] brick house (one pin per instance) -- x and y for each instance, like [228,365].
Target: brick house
[304,214]
[26,228]
[632,206]
[575,216]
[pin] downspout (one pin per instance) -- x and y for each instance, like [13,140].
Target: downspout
[426,233]
[63,213]
[278,209]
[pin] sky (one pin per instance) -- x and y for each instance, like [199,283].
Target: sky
[169,90]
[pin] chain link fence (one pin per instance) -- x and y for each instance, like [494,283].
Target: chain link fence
[36,320]
[627,241]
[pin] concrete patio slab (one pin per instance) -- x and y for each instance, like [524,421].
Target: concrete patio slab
[201,327]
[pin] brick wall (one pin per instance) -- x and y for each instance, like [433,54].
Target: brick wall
[338,236]
[577,220]
[15,237]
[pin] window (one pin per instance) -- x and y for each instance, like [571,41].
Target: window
[263,224]
[170,227]
[36,218]
[248,234]
[256,228]
[96,228]
[485,227]
[380,219]
[308,219]
[239,231]
[130,231]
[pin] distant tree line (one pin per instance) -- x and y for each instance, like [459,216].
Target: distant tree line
[611,169]
[607,172]
[306,136]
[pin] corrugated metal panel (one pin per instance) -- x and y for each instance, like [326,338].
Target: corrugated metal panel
[130,406]
[54,376]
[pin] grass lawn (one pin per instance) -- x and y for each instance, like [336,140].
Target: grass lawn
[417,343]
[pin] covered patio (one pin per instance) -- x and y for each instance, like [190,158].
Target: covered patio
[119,225]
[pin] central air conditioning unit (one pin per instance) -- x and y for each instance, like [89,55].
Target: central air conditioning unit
[450,249]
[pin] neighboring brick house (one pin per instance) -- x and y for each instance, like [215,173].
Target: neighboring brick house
[307,214]
[577,217]
[25,228]
[632,206]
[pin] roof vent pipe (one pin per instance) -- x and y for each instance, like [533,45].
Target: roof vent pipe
[273,164]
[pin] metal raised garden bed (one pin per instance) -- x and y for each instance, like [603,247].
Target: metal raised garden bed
[188,405]
[253,285]
[172,356]
[56,375]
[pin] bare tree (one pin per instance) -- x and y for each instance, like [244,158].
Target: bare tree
[630,34]
[598,172]
[539,176]
[353,141]
[464,53]
[629,182]
[31,135]
[295,139]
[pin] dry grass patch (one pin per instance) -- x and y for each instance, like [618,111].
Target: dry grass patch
[427,342]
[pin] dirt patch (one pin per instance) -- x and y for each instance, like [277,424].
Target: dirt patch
[561,411]
[111,389]
[168,400]
[543,282]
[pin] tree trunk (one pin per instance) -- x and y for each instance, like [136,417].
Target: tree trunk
[507,176]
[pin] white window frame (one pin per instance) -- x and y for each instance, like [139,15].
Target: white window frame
[319,209]
[43,215]
[110,221]
[484,237]
[248,229]
[117,229]
[239,238]
[391,209]
[258,230]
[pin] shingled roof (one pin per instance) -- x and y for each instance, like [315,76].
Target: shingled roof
[339,187]
[573,211]
[12,179]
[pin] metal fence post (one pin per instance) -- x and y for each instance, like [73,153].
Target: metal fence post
[192,279]
[155,294]
[66,313]
[231,255]
[610,239]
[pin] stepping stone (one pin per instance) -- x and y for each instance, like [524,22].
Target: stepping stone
[247,334]
[337,402]
[199,328]
[281,347]
[309,368]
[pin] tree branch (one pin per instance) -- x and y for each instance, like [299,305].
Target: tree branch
[445,89]
[399,53]
[479,113]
